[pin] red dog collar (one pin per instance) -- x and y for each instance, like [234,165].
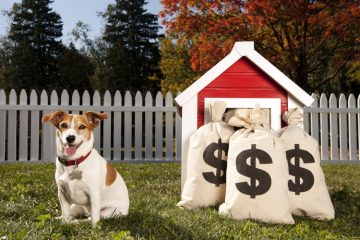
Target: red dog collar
[74,162]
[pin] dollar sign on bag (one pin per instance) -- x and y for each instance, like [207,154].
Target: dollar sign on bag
[299,172]
[256,175]
[216,162]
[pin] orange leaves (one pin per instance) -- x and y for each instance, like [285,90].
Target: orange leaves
[302,38]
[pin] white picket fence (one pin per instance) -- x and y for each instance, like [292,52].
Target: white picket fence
[335,123]
[149,129]
[137,128]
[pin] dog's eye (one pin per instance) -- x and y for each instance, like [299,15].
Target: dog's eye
[63,125]
[82,126]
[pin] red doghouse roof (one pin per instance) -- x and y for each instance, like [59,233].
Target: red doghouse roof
[245,49]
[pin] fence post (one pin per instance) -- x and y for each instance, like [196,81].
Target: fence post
[35,129]
[343,129]
[96,131]
[352,128]
[334,142]
[169,123]
[23,128]
[107,129]
[178,134]
[2,126]
[117,127]
[54,100]
[138,127]
[159,128]
[149,128]
[324,138]
[75,100]
[12,128]
[314,119]
[127,127]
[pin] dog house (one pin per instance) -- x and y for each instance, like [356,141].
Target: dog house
[242,79]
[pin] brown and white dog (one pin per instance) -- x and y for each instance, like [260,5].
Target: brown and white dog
[87,184]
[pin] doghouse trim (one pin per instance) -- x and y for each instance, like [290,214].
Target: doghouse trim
[245,49]
[274,104]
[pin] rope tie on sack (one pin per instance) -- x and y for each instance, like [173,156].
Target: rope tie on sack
[217,110]
[293,117]
[249,119]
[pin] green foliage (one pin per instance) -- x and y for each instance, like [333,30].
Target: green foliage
[6,53]
[75,69]
[132,56]
[36,32]
[95,50]
[29,205]
[175,66]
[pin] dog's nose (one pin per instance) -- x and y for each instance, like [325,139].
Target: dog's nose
[70,138]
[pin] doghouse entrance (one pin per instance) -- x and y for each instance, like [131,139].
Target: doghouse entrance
[272,106]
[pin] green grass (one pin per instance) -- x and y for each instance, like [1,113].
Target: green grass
[29,205]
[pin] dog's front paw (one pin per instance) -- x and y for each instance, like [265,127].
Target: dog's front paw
[63,219]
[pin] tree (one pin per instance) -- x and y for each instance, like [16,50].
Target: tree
[313,42]
[6,53]
[96,51]
[75,69]
[36,32]
[133,54]
[207,28]
[175,66]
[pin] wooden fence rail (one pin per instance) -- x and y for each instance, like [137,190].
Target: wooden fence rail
[137,128]
[147,128]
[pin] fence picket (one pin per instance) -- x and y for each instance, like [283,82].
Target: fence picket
[148,128]
[159,128]
[169,131]
[64,98]
[178,134]
[138,127]
[127,127]
[96,131]
[75,100]
[46,129]
[35,128]
[117,127]
[343,128]
[151,136]
[352,128]
[314,119]
[23,128]
[2,126]
[12,121]
[334,142]
[107,129]
[85,98]
[54,100]
[324,138]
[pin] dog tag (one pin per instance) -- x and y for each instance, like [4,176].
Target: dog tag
[76,174]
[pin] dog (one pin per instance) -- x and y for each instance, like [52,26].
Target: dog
[87,184]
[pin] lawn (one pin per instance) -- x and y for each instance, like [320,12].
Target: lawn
[29,205]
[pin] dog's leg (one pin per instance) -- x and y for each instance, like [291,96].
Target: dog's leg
[95,207]
[65,206]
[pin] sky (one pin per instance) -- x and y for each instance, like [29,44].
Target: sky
[72,11]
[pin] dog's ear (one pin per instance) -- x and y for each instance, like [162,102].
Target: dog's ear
[94,118]
[55,117]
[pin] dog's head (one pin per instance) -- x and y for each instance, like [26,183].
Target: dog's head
[74,132]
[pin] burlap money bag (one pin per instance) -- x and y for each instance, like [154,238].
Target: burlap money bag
[257,173]
[308,193]
[206,167]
